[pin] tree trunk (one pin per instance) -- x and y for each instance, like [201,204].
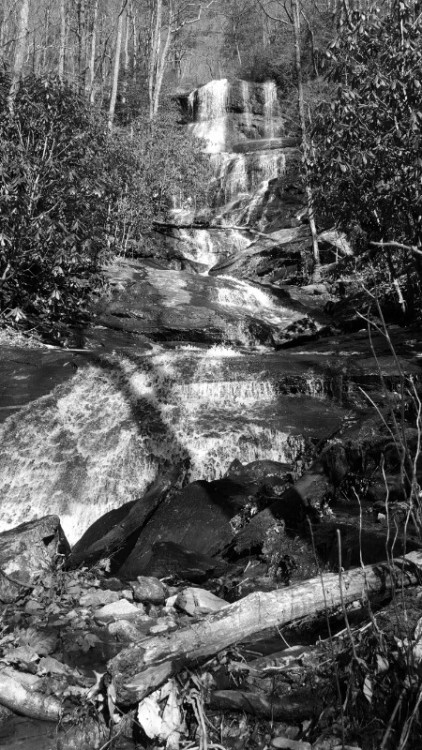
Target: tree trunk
[92,54]
[62,48]
[156,20]
[305,141]
[116,71]
[139,670]
[20,52]
[135,47]
[125,59]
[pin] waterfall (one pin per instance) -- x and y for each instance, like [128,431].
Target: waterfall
[211,118]
[270,103]
[246,98]
[252,212]
[98,440]
[199,246]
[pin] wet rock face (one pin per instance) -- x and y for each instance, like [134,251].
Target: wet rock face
[179,306]
[271,259]
[253,108]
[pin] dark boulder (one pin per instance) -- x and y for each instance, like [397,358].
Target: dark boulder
[171,560]
[197,518]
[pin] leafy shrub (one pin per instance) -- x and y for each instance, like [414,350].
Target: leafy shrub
[54,194]
[368,166]
[154,167]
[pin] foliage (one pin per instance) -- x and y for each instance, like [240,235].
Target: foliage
[154,167]
[367,169]
[53,204]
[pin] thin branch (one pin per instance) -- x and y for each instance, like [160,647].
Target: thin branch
[400,245]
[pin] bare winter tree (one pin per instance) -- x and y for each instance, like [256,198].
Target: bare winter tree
[20,50]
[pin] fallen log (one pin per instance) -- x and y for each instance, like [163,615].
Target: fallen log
[139,670]
[18,698]
[292,707]
[138,515]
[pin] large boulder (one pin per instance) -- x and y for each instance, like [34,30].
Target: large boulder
[27,553]
[275,257]
[197,519]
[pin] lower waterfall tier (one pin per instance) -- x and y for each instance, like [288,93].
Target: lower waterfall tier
[95,442]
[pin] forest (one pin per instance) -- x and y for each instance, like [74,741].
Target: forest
[210,384]
[89,115]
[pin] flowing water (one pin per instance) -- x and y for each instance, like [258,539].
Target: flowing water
[94,442]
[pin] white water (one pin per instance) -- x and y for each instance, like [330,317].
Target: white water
[270,107]
[211,124]
[98,440]
[103,436]
[243,173]
[246,97]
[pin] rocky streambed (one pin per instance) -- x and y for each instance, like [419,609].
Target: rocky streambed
[200,483]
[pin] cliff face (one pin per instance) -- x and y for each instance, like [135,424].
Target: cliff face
[253,148]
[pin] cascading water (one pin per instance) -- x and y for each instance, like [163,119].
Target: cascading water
[95,442]
[211,117]
[102,437]
[246,99]
[270,104]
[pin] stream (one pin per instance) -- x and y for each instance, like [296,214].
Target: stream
[180,367]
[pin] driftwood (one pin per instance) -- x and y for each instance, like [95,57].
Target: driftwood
[139,670]
[18,698]
[292,707]
[138,515]
[163,225]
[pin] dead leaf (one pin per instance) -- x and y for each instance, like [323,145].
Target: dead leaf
[382,664]
[43,642]
[161,715]
[49,665]
[367,688]
[20,654]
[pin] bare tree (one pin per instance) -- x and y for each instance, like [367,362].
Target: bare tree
[116,69]
[20,51]
[91,89]
[165,21]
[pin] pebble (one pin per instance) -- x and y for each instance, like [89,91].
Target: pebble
[196,601]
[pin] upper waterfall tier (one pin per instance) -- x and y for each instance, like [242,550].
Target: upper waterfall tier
[224,113]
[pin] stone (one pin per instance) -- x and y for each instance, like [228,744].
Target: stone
[171,560]
[101,527]
[27,553]
[149,589]
[262,259]
[98,597]
[121,610]
[126,631]
[196,601]
[288,744]
[163,625]
[196,519]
